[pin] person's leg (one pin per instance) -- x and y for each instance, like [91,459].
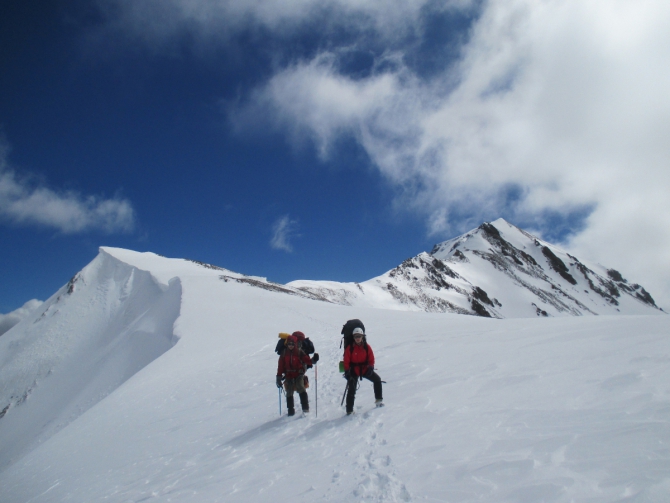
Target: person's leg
[351,393]
[376,383]
[304,401]
[289,386]
[302,393]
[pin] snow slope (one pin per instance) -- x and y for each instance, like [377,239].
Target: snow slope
[496,270]
[152,379]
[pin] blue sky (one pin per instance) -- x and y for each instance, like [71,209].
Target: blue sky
[328,140]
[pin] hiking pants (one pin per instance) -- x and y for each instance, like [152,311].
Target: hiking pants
[353,384]
[296,385]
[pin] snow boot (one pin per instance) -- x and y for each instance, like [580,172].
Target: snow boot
[289,406]
[304,401]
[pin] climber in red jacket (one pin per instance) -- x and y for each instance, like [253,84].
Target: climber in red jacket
[293,362]
[359,362]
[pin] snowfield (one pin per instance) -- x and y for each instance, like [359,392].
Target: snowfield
[152,379]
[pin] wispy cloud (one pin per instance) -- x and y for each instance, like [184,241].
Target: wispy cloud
[23,202]
[283,231]
[8,320]
[158,22]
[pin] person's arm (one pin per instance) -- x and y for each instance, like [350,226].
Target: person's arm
[307,360]
[371,357]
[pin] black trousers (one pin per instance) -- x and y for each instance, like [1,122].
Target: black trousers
[353,384]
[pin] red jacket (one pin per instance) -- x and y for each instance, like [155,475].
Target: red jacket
[358,359]
[293,363]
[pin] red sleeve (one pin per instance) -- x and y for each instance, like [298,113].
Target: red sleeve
[307,360]
[280,366]
[347,358]
[371,357]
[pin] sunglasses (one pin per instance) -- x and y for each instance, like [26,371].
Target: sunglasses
[358,336]
[290,344]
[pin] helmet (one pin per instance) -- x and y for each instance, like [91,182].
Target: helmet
[358,330]
[299,335]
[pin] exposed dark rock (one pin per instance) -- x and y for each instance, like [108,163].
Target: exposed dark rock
[205,265]
[481,295]
[616,276]
[458,255]
[538,311]
[4,411]
[554,299]
[426,302]
[490,231]
[479,309]
[611,292]
[492,235]
[558,265]
[643,295]
[409,263]
[71,283]
[275,287]
[444,268]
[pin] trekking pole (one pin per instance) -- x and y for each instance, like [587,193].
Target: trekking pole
[345,393]
[316,389]
[279,389]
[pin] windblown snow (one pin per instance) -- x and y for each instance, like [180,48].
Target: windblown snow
[152,379]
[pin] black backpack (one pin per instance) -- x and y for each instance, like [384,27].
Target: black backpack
[307,346]
[347,332]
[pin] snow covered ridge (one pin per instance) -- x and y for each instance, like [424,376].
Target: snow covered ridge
[109,321]
[499,271]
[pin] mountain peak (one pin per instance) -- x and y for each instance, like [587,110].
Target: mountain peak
[496,270]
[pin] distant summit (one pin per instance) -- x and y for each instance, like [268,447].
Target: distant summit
[496,270]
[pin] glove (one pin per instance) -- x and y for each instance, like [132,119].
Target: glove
[279,383]
[347,374]
[315,358]
[369,371]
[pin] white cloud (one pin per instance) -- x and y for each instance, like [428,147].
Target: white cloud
[8,320]
[24,203]
[566,99]
[283,230]
[156,22]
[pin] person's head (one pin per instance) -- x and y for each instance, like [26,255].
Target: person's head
[359,335]
[291,342]
[299,336]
